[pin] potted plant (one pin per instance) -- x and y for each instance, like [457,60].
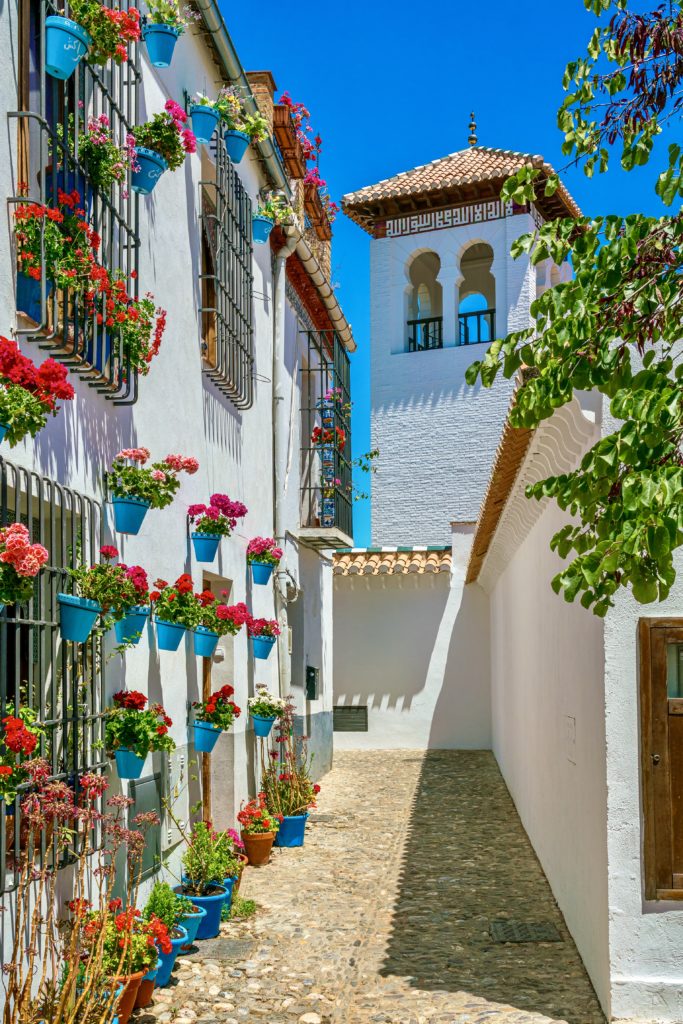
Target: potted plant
[19,739]
[137,321]
[213,521]
[259,828]
[205,117]
[20,563]
[133,730]
[128,950]
[98,32]
[264,708]
[161,144]
[263,634]
[104,162]
[163,25]
[212,717]
[240,128]
[217,620]
[176,609]
[102,589]
[134,615]
[286,781]
[205,861]
[28,393]
[263,556]
[328,437]
[168,907]
[137,488]
[272,209]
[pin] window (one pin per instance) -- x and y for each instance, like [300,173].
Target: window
[661,711]
[425,313]
[227,283]
[50,118]
[477,296]
[63,683]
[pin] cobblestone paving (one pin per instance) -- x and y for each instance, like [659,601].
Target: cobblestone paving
[384,915]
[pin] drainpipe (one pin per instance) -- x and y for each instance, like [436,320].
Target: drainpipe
[326,293]
[280,445]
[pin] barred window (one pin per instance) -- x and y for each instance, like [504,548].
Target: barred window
[227,283]
[52,115]
[62,682]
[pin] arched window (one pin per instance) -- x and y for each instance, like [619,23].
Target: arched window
[425,323]
[477,296]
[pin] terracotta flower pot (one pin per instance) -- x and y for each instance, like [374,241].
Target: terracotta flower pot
[257,847]
[131,984]
[243,861]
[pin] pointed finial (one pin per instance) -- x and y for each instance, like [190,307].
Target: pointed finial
[472,137]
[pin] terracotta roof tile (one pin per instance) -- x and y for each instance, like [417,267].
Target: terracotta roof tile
[391,561]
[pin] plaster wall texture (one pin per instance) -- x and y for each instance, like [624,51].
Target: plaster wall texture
[179,410]
[414,649]
[437,435]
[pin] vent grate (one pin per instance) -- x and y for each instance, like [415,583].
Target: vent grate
[524,931]
[353,718]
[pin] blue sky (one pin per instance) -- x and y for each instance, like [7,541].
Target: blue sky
[390,85]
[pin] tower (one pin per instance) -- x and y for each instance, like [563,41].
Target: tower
[443,286]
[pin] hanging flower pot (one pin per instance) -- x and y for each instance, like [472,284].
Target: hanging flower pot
[129,514]
[261,572]
[129,629]
[131,984]
[169,635]
[292,830]
[258,847]
[150,168]
[128,764]
[191,924]
[178,939]
[66,43]
[205,736]
[205,641]
[236,144]
[28,296]
[210,925]
[146,990]
[205,546]
[160,40]
[262,725]
[77,616]
[261,228]
[262,646]
[204,121]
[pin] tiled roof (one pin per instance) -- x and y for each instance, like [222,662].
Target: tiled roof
[461,171]
[390,561]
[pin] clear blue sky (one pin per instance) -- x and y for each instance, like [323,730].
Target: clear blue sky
[390,85]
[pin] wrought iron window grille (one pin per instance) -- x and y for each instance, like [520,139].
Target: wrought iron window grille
[62,682]
[49,160]
[477,328]
[425,334]
[326,470]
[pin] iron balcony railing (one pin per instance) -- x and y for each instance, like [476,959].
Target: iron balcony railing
[476,328]
[425,334]
[326,470]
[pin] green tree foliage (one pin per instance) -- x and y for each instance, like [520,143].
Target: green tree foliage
[616,326]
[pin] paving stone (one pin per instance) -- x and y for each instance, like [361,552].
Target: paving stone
[384,916]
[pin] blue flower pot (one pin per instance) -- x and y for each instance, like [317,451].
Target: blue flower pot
[129,628]
[236,144]
[204,121]
[128,764]
[66,43]
[129,514]
[28,296]
[205,736]
[151,166]
[191,925]
[262,725]
[262,646]
[168,959]
[205,546]
[210,925]
[77,616]
[161,40]
[169,635]
[3,430]
[151,975]
[261,228]
[98,352]
[69,181]
[261,572]
[205,641]
[292,830]
[229,884]
[2,607]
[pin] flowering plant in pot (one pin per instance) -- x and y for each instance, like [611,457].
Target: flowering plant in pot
[212,717]
[329,437]
[28,393]
[104,162]
[136,320]
[133,730]
[259,828]
[164,905]
[133,611]
[102,589]
[161,144]
[213,521]
[20,563]
[208,858]
[205,114]
[264,708]
[102,33]
[19,739]
[164,23]
[241,128]
[129,949]
[136,487]
[176,609]
[301,118]
[272,209]
[217,620]
[286,779]
[262,633]
[263,555]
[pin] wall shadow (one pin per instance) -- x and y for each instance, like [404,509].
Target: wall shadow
[467,862]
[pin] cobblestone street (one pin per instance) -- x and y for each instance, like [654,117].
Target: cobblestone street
[385,914]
